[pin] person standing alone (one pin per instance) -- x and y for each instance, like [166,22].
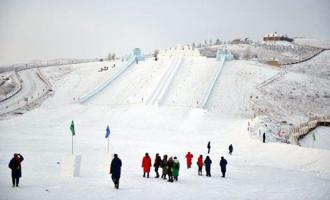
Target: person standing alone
[264,137]
[231,149]
[16,168]
[208,147]
[115,170]
[223,164]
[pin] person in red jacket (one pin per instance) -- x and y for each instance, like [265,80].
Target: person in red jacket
[146,164]
[200,164]
[189,157]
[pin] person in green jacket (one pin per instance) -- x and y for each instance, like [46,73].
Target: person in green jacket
[176,168]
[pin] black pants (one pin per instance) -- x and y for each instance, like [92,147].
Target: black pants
[170,176]
[116,182]
[208,150]
[208,173]
[223,173]
[156,170]
[15,181]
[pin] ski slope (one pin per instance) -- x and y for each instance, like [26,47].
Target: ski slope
[254,171]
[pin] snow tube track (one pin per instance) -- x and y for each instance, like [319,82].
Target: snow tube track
[157,96]
[210,87]
[100,87]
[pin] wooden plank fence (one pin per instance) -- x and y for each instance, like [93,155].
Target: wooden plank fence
[303,129]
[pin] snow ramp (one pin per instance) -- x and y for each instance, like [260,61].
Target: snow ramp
[158,94]
[90,94]
[210,87]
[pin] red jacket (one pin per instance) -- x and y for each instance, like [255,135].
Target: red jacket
[189,157]
[200,161]
[146,164]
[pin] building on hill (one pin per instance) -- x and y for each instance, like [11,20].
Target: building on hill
[277,37]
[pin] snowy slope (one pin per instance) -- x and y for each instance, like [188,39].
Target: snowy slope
[255,170]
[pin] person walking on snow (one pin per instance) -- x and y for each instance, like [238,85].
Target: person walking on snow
[164,166]
[115,170]
[146,165]
[208,147]
[207,163]
[223,164]
[200,165]
[157,163]
[16,168]
[176,168]
[231,149]
[189,157]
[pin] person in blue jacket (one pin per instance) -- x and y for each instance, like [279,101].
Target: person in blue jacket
[207,163]
[115,169]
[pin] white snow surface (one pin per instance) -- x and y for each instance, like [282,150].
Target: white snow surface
[254,171]
[322,138]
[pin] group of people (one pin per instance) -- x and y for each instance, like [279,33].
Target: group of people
[170,167]
[207,163]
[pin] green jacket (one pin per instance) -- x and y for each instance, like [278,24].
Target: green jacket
[176,168]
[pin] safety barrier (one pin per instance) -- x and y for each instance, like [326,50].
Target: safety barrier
[303,129]
[100,87]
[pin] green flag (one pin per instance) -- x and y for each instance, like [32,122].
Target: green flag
[72,128]
[313,135]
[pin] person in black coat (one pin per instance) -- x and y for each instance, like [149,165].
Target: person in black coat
[231,149]
[208,147]
[157,163]
[207,163]
[169,169]
[115,169]
[223,164]
[264,137]
[16,168]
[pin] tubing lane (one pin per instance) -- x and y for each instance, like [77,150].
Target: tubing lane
[164,83]
[157,89]
[169,81]
[99,88]
[210,87]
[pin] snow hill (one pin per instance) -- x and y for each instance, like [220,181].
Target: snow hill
[171,126]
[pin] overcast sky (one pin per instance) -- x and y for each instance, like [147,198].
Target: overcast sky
[45,29]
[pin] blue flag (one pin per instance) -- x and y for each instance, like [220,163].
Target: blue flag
[107,133]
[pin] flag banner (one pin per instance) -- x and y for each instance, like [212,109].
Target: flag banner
[107,132]
[72,128]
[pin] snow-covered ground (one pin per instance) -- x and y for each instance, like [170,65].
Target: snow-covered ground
[255,170]
[322,138]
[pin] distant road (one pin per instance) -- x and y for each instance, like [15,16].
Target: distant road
[32,87]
